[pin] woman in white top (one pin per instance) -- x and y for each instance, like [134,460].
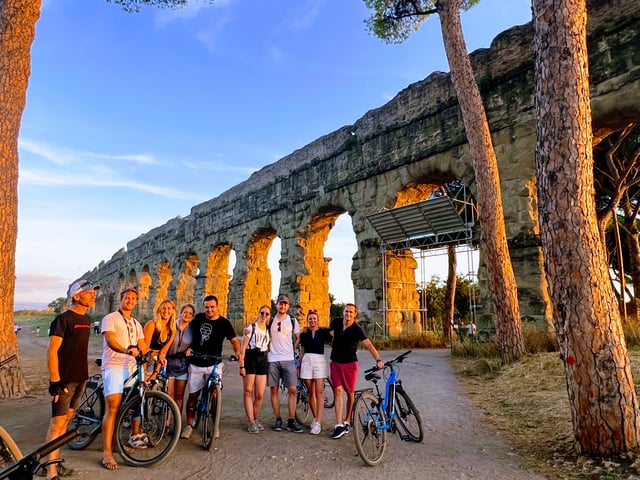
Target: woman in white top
[253,367]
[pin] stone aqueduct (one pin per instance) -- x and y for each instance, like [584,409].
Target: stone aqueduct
[392,156]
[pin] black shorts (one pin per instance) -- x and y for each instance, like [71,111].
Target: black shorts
[69,400]
[255,362]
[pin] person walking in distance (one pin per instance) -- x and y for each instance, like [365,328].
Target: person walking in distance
[67,363]
[123,340]
[209,329]
[285,336]
[344,363]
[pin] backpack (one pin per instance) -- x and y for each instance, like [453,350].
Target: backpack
[293,327]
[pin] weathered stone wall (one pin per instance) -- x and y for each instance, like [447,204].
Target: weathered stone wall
[412,144]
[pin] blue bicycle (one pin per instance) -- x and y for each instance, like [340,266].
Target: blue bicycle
[374,414]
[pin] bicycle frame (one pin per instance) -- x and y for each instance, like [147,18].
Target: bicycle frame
[205,393]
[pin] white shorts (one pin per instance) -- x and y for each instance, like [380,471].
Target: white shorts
[313,365]
[114,378]
[198,376]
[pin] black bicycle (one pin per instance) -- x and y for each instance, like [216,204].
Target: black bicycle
[26,467]
[209,402]
[160,419]
[374,413]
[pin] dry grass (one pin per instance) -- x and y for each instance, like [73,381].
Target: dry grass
[527,401]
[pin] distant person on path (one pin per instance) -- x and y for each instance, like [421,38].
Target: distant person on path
[209,331]
[123,340]
[344,363]
[471,331]
[285,337]
[177,363]
[96,327]
[254,367]
[38,331]
[313,366]
[67,364]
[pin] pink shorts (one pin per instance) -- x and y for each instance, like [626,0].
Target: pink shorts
[344,375]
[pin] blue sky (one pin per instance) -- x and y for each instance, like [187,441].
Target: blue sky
[132,119]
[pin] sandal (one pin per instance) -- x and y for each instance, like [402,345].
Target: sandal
[138,441]
[109,463]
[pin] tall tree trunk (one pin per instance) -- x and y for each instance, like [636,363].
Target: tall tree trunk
[17,30]
[493,236]
[450,292]
[587,320]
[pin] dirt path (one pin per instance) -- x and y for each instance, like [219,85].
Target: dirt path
[456,445]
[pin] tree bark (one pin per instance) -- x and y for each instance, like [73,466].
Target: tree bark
[493,236]
[586,317]
[17,30]
[450,293]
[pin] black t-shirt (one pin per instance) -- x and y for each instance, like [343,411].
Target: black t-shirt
[208,336]
[345,342]
[75,330]
[315,343]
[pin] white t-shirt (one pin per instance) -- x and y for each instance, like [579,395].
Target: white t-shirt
[281,348]
[128,332]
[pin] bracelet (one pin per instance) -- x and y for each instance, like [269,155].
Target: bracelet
[378,360]
[241,366]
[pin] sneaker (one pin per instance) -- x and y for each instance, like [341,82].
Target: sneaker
[339,431]
[186,432]
[347,426]
[293,426]
[260,426]
[315,428]
[253,428]
[278,426]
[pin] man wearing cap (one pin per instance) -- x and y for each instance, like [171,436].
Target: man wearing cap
[285,337]
[123,340]
[67,363]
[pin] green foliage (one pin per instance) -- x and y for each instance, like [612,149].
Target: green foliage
[57,305]
[433,294]
[428,340]
[134,6]
[395,20]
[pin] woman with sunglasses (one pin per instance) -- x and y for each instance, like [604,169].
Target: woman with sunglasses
[253,367]
[313,366]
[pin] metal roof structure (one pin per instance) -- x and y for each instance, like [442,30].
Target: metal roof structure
[432,223]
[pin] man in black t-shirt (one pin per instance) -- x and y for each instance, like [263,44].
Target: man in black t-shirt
[344,362]
[209,331]
[67,362]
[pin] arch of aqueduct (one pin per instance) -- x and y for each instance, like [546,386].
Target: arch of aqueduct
[392,156]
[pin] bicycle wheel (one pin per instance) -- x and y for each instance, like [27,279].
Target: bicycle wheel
[329,399]
[407,417]
[370,440]
[87,418]
[211,418]
[9,451]
[159,419]
[303,409]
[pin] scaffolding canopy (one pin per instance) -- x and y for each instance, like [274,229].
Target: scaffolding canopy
[432,223]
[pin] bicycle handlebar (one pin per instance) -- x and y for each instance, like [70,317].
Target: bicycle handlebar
[399,359]
[217,358]
[34,457]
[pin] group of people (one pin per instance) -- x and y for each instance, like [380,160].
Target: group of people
[188,345]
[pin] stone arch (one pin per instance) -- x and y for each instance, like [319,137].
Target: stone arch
[217,276]
[187,279]
[314,279]
[256,288]
[164,282]
[144,294]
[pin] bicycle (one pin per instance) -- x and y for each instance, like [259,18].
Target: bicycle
[374,414]
[160,418]
[303,407]
[209,401]
[26,467]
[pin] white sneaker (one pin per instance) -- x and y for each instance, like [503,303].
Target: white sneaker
[315,428]
[186,432]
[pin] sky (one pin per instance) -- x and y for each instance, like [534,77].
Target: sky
[132,119]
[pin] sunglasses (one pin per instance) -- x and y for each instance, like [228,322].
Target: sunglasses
[279,326]
[265,314]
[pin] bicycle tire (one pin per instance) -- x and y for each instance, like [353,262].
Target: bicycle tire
[329,398]
[87,418]
[370,440]
[407,417]
[211,418]
[158,413]
[9,451]
[304,414]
